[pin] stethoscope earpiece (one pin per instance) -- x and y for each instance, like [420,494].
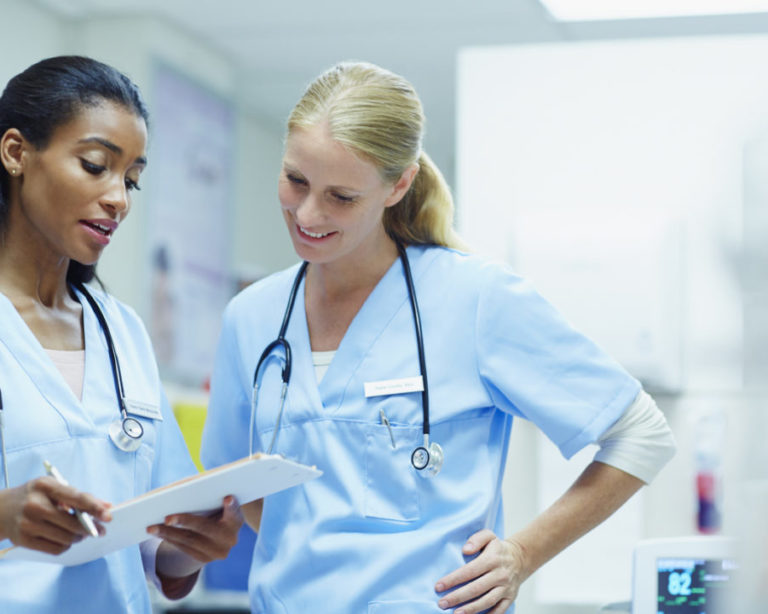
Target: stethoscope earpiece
[126,434]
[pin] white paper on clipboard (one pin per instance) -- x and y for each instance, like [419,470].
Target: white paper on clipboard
[247,479]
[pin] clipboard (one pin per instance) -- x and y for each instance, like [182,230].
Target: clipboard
[247,479]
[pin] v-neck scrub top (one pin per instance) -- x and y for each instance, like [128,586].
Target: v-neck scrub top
[370,535]
[44,420]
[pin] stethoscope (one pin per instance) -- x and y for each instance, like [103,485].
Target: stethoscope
[125,432]
[426,458]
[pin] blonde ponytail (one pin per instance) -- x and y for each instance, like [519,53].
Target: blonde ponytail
[425,215]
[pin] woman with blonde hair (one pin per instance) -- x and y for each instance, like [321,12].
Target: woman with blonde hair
[398,366]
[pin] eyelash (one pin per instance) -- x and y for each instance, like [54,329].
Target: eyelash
[97,169]
[298,181]
[344,199]
[90,167]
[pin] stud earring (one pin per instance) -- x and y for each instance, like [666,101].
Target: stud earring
[13,172]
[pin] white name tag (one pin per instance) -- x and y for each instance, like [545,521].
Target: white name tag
[394,386]
[145,410]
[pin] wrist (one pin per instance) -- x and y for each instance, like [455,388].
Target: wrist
[522,554]
[176,571]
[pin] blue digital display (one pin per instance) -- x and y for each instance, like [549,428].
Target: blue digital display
[694,586]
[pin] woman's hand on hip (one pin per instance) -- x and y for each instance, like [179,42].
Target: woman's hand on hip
[38,515]
[490,581]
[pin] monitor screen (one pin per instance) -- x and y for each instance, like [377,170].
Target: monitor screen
[684,575]
[694,585]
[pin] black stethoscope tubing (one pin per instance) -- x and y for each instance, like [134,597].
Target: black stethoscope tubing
[281,340]
[117,375]
[128,433]
[419,336]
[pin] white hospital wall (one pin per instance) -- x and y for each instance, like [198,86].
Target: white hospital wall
[611,174]
[28,34]
[261,241]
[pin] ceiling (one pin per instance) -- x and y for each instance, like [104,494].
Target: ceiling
[278,47]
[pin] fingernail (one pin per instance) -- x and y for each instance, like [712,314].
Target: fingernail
[440,587]
[468,546]
[443,603]
[153,530]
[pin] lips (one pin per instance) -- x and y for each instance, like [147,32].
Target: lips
[104,229]
[313,235]
[100,230]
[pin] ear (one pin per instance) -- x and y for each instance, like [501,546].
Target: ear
[402,185]
[12,146]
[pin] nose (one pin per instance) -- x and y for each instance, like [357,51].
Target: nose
[116,199]
[309,211]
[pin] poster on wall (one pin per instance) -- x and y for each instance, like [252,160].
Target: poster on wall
[188,229]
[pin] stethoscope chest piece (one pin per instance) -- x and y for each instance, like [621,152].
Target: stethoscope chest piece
[428,460]
[126,434]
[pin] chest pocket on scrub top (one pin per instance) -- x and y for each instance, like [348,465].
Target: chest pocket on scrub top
[391,482]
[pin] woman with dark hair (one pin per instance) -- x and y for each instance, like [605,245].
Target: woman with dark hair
[78,382]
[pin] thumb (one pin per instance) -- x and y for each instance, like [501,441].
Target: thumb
[231,510]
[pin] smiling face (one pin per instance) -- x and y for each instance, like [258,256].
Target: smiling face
[332,200]
[73,193]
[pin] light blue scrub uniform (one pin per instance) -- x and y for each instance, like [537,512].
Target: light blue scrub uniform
[45,421]
[370,535]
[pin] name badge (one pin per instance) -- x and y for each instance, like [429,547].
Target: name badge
[401,385]
[145,410]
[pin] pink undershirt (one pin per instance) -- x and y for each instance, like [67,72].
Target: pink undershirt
[71,364]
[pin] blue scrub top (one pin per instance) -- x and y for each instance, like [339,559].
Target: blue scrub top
[45,421]
[371,535]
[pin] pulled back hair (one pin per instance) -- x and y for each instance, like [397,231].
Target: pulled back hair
[51,93]
[378,115]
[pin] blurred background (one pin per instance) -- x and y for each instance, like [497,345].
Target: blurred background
[619,159]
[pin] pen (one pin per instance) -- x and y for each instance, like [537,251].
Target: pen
[385,422]
[84,518]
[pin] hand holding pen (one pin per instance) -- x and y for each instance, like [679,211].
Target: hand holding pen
[38,514]
[84,518]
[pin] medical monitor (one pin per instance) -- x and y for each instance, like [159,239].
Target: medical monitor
[686,575]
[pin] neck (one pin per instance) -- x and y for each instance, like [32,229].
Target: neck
[339,280]
[24,278]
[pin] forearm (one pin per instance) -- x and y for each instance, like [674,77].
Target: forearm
[598,492]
